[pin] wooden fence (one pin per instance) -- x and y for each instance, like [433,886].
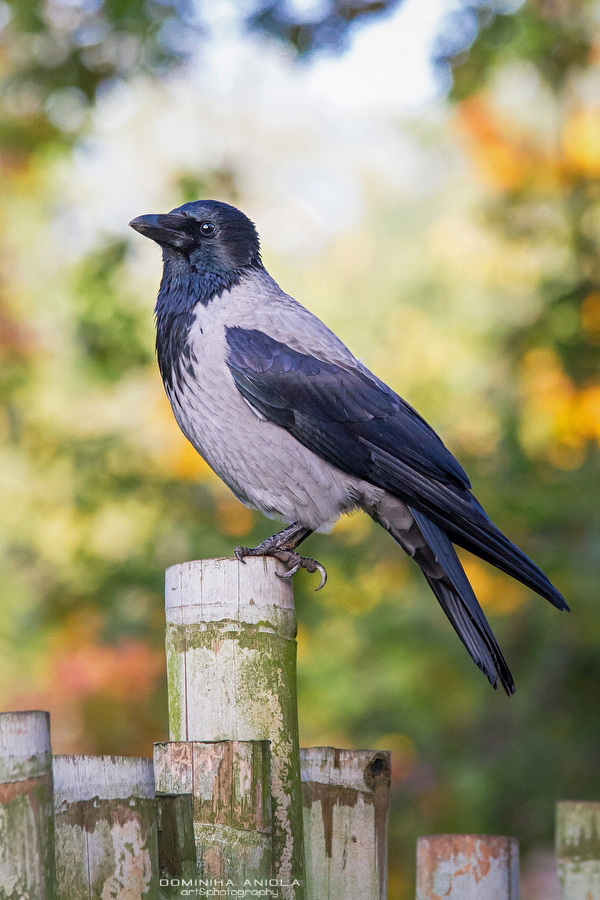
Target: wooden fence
[231,806]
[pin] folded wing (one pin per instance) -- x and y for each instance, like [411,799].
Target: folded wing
[351,419]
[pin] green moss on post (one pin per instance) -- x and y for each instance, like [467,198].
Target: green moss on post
[229,782]
[231,668]
[26,808]
[578,849]
[106,828]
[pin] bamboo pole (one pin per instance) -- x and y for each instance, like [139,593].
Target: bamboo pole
[467,867]
[176,845]
[578,849]
[345,795]
[26,823]
[231,669]
[230,786]
[106,828]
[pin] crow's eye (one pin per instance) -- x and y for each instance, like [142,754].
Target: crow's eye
[207,229]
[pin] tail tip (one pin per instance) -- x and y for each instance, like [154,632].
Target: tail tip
[505,679]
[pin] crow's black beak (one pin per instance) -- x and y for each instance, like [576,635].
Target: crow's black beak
[170,229]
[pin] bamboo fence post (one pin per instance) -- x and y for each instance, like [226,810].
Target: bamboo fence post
[26,820]
[467,867]
[231,669]
[176,844]
[578,849]
[230,786]
[106,828]
[345,794]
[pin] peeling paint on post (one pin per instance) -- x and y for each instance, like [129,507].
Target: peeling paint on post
[26,823]
[346,797]
[467,867]
[230,786]
[106,828]
[231,669]
[578,849]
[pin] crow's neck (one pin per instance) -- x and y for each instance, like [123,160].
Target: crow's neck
[180,292]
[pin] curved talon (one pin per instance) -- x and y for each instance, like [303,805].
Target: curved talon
[323,573]
[311,566]
[286,555]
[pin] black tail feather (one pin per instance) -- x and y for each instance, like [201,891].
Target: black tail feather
[486,541]
[480,643]
[457,599]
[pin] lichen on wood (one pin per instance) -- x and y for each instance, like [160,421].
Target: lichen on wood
[26,807]
[229,782]
[231,668]
[106,828]
[578,849]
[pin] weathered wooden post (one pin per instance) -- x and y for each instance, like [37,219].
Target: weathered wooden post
[26,822]
[230,785]
[578,849]
[231,669]
[176,844]
[106,828]
[467,867]
[346,796]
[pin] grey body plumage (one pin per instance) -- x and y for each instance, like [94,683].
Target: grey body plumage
[299,429]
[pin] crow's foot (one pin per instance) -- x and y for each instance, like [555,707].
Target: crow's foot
[282,547]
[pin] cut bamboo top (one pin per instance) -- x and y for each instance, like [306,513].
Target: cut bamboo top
[218,590]
[360,770]
[24,745]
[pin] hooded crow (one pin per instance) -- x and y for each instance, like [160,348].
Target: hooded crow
[301,430]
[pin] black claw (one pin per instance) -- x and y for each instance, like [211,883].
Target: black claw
[287,556]
[302,562]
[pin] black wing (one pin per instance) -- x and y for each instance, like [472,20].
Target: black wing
[310,397]
[355,422]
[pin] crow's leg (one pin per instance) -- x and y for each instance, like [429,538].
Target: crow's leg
[282,546]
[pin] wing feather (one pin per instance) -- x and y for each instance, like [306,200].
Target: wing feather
[352,420]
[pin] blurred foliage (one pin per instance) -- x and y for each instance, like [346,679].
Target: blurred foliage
[109,333]
[58,56]
[322,26]
[555,37]
[55,55]
[485,313]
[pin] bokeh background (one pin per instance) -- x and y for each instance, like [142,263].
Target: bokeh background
[425,176]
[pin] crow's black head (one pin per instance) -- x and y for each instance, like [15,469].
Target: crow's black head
[208,248]
[213,238]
